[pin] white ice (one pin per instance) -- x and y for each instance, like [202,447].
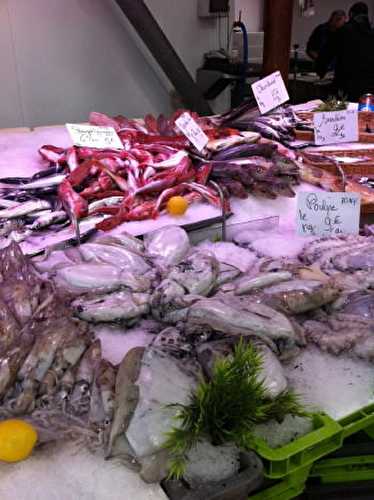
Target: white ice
[278,242]
[231,254]
[61,472]
[337,385]
[116,341]
[278,434]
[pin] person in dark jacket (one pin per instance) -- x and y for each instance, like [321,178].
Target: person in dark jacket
[322,33]
[353,51]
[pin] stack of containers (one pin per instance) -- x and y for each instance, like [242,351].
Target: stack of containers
[288,467]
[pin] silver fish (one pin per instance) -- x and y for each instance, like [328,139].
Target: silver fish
[49,219]
[44,182]
[39,213]
[106,202]
[8,203]
[24,209]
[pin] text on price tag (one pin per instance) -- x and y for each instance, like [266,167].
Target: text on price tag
[192,131]
[270,92]
[335,126]
[327,214]
[91,136]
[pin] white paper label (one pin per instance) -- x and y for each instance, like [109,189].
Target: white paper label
[192,131]
[327,214]
[270,92]
[335,126]
[91,136]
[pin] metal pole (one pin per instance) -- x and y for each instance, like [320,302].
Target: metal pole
[158,44]
[222,198]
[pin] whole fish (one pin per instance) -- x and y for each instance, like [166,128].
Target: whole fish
[24,208]
[105,202]
[44,182]
[35,215]
[4,203]
[49,219]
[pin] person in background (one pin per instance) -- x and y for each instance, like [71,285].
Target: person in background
[352,49]
[322,33]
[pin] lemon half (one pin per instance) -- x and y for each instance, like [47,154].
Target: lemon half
[177,205]
[17,440]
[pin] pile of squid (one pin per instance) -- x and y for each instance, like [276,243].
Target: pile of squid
[201,300]
[51,369]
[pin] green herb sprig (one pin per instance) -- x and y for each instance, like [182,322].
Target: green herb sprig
[227,407]
[333,104]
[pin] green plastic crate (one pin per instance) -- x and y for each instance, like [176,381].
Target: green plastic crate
[344,470]
[290,487]
[362,419]
[326,437]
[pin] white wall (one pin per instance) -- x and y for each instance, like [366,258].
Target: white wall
[60,59]
[303,26]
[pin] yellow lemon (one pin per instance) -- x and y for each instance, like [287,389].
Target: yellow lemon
[17,440]
[177,205]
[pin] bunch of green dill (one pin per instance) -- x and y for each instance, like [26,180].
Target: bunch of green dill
[333,104]
[227,407]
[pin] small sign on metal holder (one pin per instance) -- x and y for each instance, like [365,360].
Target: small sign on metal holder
[327,214]
[91,136]
[192,130]
[270,92]
[335,126]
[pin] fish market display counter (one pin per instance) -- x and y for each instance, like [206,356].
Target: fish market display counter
[218,277]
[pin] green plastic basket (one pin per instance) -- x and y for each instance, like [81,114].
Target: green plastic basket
[290,487]
[326,437]
[362,419]
[344,470]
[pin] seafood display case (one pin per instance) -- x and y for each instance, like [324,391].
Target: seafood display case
[175,335]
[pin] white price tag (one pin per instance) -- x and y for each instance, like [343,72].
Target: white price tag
[335,126]
[327,214]
[192,131]
[91,136]
[270,92]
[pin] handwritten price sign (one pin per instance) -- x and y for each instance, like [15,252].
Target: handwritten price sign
[327,214]
[192,130]
[335,126]
[91,136]
[270,92]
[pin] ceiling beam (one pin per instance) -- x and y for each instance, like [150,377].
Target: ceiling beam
[160,47]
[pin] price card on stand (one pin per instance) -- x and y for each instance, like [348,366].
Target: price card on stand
[192,130]
[335,126]
[91,136]
[327,214]
[270,92]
